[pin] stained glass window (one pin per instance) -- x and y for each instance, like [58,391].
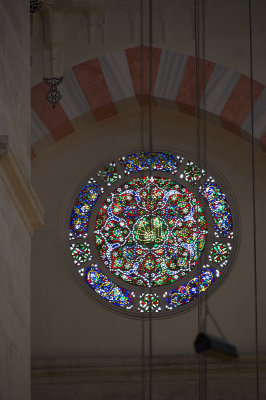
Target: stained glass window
[149,302]
[150,161]
[141,227]
[109,174]
[190,290]
[80,252]
[192,173]
[83,206]
[219,207]
[107,289]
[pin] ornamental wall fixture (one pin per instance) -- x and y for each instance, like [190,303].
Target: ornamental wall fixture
[53,96]
[35,6]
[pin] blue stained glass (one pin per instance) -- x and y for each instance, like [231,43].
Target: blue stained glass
[107,289]
[219,207]
[150,161]
[189,291]
[81,211]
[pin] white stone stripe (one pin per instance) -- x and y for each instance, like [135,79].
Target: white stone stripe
[73,100]
[117,75]
[170,73]
[218,89]
[259,117]
[38,129]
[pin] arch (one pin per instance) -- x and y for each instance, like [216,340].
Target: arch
[103,87]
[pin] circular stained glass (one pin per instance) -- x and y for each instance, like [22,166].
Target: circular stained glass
[151,232]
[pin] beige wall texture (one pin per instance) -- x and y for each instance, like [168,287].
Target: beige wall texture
[20,212]
[67,323]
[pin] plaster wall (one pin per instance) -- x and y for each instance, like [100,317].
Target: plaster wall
[68,323]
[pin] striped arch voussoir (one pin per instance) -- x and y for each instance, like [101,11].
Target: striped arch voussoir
[98,88]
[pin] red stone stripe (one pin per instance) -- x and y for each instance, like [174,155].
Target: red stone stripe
[92,82]
[139,67]
[263,141]
[186,94]
[55,119]
[238,104]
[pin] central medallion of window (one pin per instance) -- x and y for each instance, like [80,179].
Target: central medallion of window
[150,231]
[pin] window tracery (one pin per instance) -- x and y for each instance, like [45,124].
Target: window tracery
[151,231]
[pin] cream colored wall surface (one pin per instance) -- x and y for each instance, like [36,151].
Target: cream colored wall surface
[87,29]
[14,188]
[15,302]
[66,322]
[15,77]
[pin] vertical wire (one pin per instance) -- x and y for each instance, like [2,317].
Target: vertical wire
[202,165]
[143,377]
[150,151]
[198,138]
[198,150]
[141,78]
[253,196]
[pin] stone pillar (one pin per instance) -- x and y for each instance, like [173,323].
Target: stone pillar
[20,211]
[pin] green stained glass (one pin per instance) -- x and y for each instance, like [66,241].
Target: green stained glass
[149,303]
[109,174]
[80,253]
[220,253]
[192,173]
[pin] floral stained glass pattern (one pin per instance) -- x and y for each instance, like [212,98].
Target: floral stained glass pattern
[192,173]
[189,291]
[150,162]
[219,207]
[109,174]
[80,253]
[83,206]
[107,289]
[220,253]
[150,231]
[149,303]
[140,246]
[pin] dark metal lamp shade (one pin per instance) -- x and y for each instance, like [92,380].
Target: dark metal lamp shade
[215,347]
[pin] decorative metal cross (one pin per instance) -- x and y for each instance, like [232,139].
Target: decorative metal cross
[53,96]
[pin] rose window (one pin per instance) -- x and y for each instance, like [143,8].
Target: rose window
[151,232]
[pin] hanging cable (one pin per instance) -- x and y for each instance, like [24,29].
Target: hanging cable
[143,368]
[150,152]
[141,78]
[253,195]
[198,156]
